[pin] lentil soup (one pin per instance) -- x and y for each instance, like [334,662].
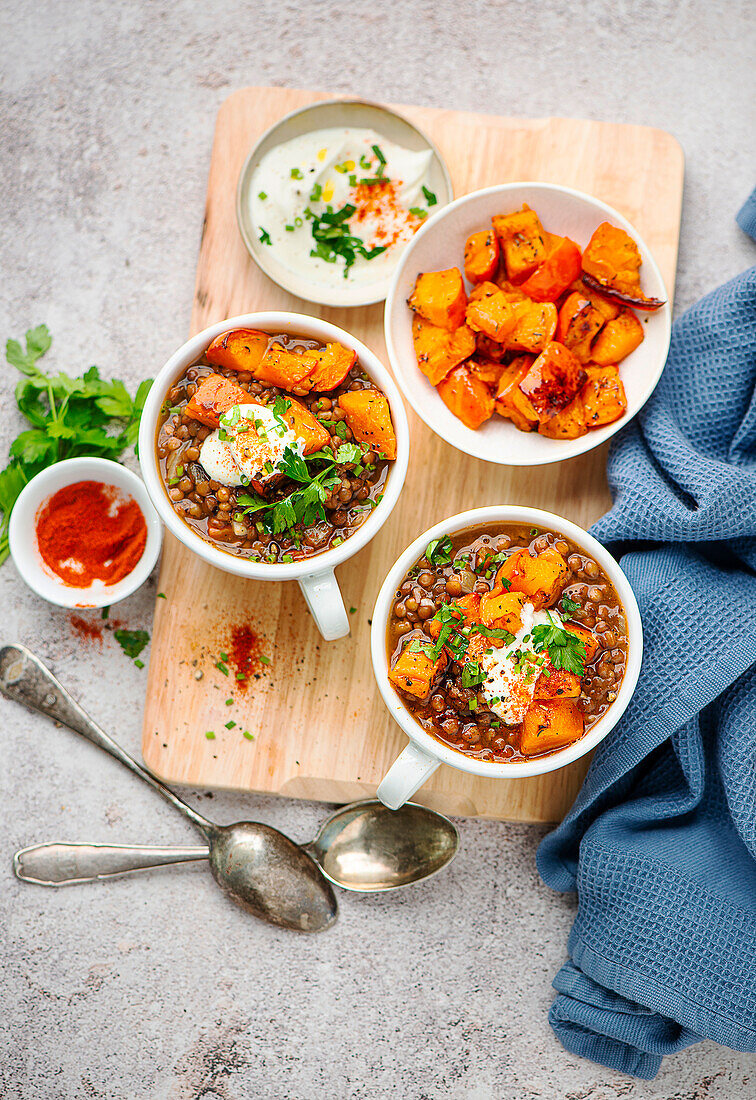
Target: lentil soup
[274,447]
[507,642]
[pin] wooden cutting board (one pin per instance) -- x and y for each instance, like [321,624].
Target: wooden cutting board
[320,728]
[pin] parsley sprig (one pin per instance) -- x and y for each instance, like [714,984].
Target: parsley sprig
[565,649]
[69,417]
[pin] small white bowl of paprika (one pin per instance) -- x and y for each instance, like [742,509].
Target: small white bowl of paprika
[84,533]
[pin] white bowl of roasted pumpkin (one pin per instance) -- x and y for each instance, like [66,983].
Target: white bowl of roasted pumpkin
[526,323]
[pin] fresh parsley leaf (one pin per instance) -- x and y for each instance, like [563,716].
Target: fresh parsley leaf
[430,198]
[439,551]
[472,674]
[38,341]
[132,642]
[565,649]
[569,606]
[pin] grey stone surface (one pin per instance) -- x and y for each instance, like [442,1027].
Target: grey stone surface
[155,987]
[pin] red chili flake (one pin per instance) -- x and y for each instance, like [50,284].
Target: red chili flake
[246,655]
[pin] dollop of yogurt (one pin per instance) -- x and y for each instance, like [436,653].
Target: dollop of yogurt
[512,671]
[248,446]
[334,170]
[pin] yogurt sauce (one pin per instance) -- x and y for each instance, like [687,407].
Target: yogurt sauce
[248,446]
[299,181]
[509,688]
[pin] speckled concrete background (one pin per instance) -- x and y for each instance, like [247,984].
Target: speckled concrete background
[156,987]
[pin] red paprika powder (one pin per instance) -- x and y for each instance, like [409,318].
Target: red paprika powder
[89,531]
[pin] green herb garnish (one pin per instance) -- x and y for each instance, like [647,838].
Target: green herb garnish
[565,649]
[472,674]
[132,642]
[569,606]
[439,551]
[333,239]
[210,735]
[430,198]
[265,236]
[262,196]
[418,212]
[296,173]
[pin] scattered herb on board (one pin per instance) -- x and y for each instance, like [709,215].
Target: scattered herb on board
[69,417]
[132,642]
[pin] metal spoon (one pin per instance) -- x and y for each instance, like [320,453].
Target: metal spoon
[363,847]
[257,866]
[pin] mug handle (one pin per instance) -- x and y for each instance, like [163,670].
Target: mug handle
[323,597]
[408,772]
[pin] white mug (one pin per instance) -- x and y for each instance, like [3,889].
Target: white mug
[315,574]
[425,753]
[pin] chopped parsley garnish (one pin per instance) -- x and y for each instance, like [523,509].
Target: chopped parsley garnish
[418,212]
[430,197]
[132,642]
[569,606]
[262,196]
[333,239]
[472,674]
[316,192]
[296,173]
[505,636]
[565,649]
[265,236]
[439,551]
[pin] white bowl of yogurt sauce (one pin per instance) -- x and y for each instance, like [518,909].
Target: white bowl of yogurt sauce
[331,195]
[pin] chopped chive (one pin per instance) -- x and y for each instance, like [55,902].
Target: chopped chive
[418,212]
[430,198]
[229,702]
[262,196]
[222,668]
[264,660]
[315,194]
[265,236]
[105,612]
[230,725]
[296,173]
[138,663]
[289,228]
[210,735]
[353,180]
[223,656]
[240,676]
[248,735]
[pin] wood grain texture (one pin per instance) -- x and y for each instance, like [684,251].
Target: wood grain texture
[321,730]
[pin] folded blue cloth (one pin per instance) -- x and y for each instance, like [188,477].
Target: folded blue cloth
[661,841]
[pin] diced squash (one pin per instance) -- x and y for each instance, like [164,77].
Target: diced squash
[586,637]
[603,396]
[567,423]
[285,369]
[486,348]
[239,349]
[611,265]
[214,396]
[438,351]
[617,339]
[509,290]
[481,256]
[557,683]
[502,610]
[469,613]
[579,322]
[467,397]
[303,423]
[493,315]
[511,402]
[551,725]
[553,380]
[334,362]
[561,267]
[482,290]
[439,297]
[415,672]
[607,309]
[487,370]
[535,328]
[368,416]
[540,579]
[522,240]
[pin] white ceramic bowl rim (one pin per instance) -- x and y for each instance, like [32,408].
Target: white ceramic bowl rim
[478,517]
[272,321]
[552,450]
[353,295]
[23,540]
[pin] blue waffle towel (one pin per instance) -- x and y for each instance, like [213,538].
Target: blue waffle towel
[661,842]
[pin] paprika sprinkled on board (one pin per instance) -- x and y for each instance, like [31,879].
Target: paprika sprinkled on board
[89,531]
[245,654]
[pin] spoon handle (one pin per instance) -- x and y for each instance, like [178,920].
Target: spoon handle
[64,864]
[24,679]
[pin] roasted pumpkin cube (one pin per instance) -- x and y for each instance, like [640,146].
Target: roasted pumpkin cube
[611,265]
[586,637]
[416,671]
[481,256]
[557,683]
[334,362]
[522,241]
[503,610]
[468,612]
[560,268]
[603,396]
[568,423]
[510,401]
[239,349]
[482,290]
[439,297]
[438,350]
[285,369]
[368,417]
[540,579]
[493,315]
[467,397]
[617,339]
[509,290]
[214,396]
[487,370]
[551,725]
[579,322]
[535,328]
[485,348]
[607,309]
[553,381]
[303,423]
